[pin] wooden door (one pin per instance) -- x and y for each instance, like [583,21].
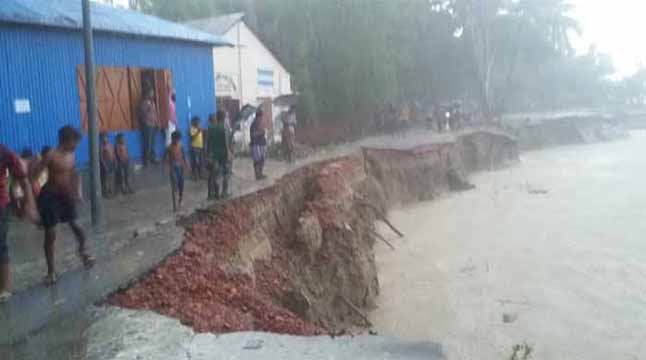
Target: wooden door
[136,93]
[163,86]
[112,96]
[230,106]
[80,78]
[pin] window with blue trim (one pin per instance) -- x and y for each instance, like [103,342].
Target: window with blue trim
[265,78]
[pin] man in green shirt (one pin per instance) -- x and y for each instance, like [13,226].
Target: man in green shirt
[218,153]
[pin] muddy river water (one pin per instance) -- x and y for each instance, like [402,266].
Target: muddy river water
[551,252]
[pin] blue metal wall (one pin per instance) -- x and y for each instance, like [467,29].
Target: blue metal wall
[39,64]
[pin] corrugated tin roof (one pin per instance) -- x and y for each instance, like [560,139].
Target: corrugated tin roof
[217,25]
[68,14]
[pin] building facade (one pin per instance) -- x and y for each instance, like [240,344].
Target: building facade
[43,81]
[249,72]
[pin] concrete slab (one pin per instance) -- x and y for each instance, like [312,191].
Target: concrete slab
[157,337]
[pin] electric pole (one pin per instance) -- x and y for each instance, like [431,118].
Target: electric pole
[93,133]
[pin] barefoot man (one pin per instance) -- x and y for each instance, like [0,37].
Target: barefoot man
[58,198]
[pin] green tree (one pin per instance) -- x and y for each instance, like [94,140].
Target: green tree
[632,90]
[350,57]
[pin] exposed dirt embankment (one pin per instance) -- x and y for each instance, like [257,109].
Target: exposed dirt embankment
[425,172]
[298,257]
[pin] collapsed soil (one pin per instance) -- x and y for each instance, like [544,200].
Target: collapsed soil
[297,258]
[195,285]
[242,265]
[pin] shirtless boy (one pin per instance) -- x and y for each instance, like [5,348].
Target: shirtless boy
[108,166]
[58,198]
[123,165]
[176,161]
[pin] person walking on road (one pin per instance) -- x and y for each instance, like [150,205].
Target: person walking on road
[10,165]
[57,202]
[258,145]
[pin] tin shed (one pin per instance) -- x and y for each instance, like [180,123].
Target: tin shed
[42,77]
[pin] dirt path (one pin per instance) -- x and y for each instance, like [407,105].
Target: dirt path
[550,252]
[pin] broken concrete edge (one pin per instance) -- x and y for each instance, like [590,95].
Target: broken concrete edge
[162,337]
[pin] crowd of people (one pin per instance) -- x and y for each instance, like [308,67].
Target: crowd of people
[211,152]
[45,189]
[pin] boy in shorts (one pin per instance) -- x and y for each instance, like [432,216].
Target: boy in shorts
[176,161]
[58,198]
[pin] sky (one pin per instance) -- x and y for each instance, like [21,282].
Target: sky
[617,28]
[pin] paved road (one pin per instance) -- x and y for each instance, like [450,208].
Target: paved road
[111,334]
[151,205]
[550,252]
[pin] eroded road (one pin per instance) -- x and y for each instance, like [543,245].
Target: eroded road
[550,252]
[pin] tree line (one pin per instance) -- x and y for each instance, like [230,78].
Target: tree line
[350,57]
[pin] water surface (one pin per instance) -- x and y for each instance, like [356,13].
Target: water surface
[550,252]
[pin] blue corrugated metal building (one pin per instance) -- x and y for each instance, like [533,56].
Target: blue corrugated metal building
[41,48]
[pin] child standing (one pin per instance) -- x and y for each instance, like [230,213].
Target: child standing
[58,198]
[123,165]
[197,148]
[108,166]
[176,161]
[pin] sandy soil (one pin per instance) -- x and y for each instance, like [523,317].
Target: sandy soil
[550,252]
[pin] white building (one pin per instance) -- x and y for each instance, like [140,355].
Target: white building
[248,72]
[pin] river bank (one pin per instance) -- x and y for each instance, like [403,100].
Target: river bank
[416,159]
[298,257]
[44,321]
